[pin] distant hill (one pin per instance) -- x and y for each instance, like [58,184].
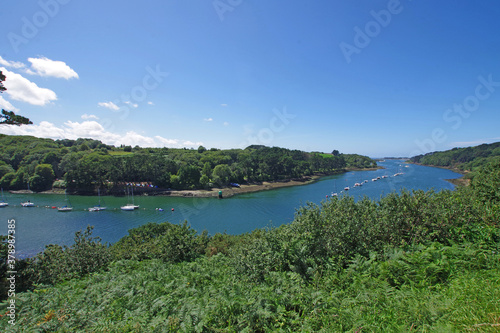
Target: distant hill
[464,159]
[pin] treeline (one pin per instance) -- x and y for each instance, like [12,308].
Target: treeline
[419,261]
[84,165]
[464,159]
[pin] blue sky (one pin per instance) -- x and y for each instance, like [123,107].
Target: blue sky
[380,78]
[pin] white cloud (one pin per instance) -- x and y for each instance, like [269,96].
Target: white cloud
[4,104]
[92,129]
[167,142]
[226,123]
[208,119]
[46,67]
[223,105]
[89,116]
[192,144]
[109,105]
[22,89]
[151,103]
[14,64]
[132,104]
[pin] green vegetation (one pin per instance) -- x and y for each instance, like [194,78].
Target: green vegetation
[463,159]
[419,262]
[86,165]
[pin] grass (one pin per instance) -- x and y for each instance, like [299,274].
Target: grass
[120,153]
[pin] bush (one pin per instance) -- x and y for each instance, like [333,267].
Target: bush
[56,263]
[165,241]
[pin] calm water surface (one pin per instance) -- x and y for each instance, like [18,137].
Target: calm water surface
[40,226]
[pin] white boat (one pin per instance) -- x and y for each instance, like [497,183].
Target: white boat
[346,188]
[97,208]
[132,206]
[129,207]
[28,203]
[374,179]
[65,208]
[3,203]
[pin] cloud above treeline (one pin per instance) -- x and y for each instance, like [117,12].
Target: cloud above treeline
[19,88]
[94,130]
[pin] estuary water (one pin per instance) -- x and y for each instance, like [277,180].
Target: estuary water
[39,226]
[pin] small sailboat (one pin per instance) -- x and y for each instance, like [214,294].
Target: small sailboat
[3,203]
[130,206]
[28,203]
[65,208]
[97,208]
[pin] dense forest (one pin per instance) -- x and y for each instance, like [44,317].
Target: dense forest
[414,261]
[463,159]
[84,165]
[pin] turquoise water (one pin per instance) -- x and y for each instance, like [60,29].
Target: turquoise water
[40,226]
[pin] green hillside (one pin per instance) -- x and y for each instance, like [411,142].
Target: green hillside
[464,159]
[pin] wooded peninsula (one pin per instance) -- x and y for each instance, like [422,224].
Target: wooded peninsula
[83,166]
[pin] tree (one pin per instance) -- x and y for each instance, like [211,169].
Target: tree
[207,170]
[9,117]
[2,78]
[221,174]
[43,178]
[189,176]
[204,181]
[5,169]
[201,149]
[335,152]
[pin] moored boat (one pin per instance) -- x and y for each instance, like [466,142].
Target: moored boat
[3,203]
[98,207]
[129,207]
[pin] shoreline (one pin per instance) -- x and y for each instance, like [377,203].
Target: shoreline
[460,181]
[227,192]
[250,188]
[214,192]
